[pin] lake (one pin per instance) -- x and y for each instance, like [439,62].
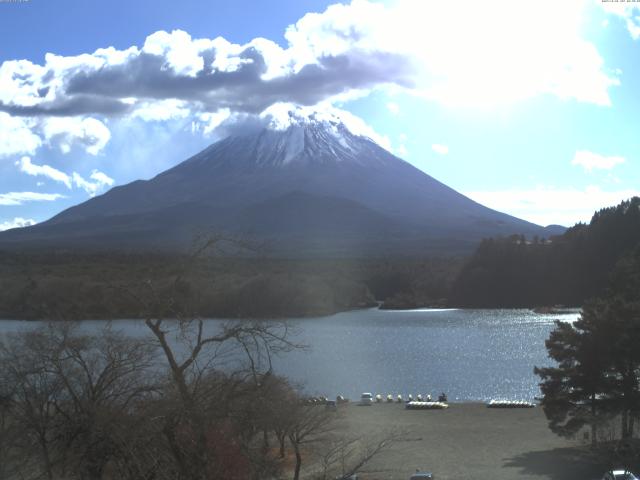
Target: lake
[469,354]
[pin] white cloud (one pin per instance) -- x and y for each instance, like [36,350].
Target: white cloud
[402,151]
[208,122]
[459,48]
[440,149]
[65,132]
[97,180]
[100,180]
[450,52]
[393,107]
[182,54]
[16,83]
[18,198]
[547,205]
[594,161]
[629,12]
[17,222]
[161,110]
[32,169]
[16,137]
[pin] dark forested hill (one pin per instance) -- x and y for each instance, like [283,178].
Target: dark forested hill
[567,269]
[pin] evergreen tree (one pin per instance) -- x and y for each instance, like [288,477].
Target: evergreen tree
[598,356]
[568,269]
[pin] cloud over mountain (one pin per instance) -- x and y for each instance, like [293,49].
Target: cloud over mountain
[346,50]
[465,54]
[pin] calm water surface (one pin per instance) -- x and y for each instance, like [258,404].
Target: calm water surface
[470,354]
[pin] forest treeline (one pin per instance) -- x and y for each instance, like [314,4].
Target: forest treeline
[564,270]
[67,285]
[502,273]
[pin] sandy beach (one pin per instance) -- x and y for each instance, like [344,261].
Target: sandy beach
[471,441]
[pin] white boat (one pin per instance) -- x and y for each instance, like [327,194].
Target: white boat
[426,406]
[510,404]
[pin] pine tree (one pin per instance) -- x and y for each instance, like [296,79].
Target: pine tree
[598,356]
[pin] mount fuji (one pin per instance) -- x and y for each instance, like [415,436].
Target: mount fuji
[308,187]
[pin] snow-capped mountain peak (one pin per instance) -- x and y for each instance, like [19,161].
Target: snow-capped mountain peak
[302,140]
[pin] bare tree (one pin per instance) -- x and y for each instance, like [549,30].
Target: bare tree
[308,424]
[71,392]
[210,369]
[342,456]
[31,400]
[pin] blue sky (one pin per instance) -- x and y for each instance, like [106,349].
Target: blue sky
[530,108]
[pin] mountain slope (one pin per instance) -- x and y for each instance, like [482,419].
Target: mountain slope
[312,187]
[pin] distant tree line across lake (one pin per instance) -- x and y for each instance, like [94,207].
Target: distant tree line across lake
[67,285]
[502,273]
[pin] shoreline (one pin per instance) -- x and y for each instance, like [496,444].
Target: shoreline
[308,315]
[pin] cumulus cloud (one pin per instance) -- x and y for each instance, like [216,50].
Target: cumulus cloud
[89,133]
[161,110]
[627,11]
[440,149]
[594,161]
[16,137]
[17,222]
[208,122]
[19,198]
[24,136]
[428,48]
[100,181]
[26,166]
[469,62]
[209,74]
[548,205]
[97,180]
[181,53]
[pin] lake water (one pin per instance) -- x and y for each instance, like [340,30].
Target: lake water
[469,354]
